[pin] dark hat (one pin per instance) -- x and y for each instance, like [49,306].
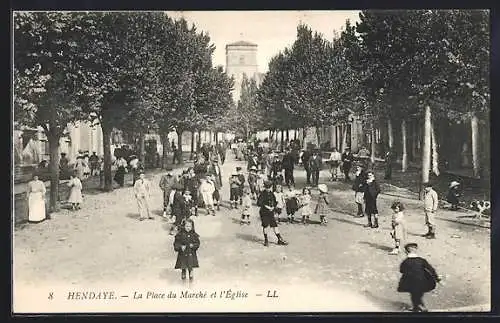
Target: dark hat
[398,205]
[411,245]
[238,168]
[268,184]
[427,184]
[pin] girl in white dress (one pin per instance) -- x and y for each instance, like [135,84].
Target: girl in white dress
[75,193]
[306,205]
[207,189]
[36,200]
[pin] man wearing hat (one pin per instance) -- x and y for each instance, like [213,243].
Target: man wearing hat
[267,203]
[347,159]
[315,164]
[359,187]
[430,208]
[288,164]
[142,194]
[166,183]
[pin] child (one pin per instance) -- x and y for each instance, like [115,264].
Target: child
[234,189]
[321,207]
[431,202]
[247,204]
[418,278]
[398,232]
[292,204]
[252,181]
[261,177]
[453,195]
[186,243]
[188,200]
[280,201]
[207,189]
[241,178]
[75,193]
[372,190]
[306,205]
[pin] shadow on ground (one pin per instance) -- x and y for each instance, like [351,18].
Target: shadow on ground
[376,245]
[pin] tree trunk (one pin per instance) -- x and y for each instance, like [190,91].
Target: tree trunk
[304,133]
[426,148]
[198,143]
[318,136]
[475,145]
[287,135]
[373,145]
[390,134]
[404,158]
[216,137]
[142,150]
[343,145]
[179,146]
[282,140]
[295,134]
[165,143]
[54,171]
[435,153]
[192,144]
[106,140]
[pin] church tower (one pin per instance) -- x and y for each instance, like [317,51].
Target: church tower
[241,59]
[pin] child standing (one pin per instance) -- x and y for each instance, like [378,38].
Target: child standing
[372,190]
[280,201]
[207,189]
[453,195]
[418,278]
[241,178]
[252,181]
[292,204]
[430,208]
[75,193]
[398,232]
[247,204]
[186,243]
[321,207]
[306,205]
[234,189]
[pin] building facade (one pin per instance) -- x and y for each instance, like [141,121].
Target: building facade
[241,59]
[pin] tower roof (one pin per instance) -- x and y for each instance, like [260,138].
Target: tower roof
[242,43]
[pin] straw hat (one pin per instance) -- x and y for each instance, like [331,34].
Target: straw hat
[322,188]
[454,183]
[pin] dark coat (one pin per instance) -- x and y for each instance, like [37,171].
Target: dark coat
[371,193]
[253,162]
[315,163]
[305,158]
[418,276]
[266,198]
[347,159]
[359,182]
[180,208]
[186,259]
[288,161]
[452,196]
[276,168]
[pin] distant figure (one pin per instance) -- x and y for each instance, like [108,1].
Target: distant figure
[75,193]
[372,190]
[364,157]
[94,164]
[398,223]
[35,194]
[431,202]
[454,195]
[142,194]
[347,159]
[388,164]
[335,159]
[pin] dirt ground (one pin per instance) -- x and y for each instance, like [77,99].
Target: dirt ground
[105,243]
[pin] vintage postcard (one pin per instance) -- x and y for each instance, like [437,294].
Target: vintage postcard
[251,161]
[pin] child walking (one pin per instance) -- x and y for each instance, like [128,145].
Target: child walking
[321,207]
[398,232]
[75,193]
[291,204]
[306,205]
[418,277]
[247,204]
[186,243]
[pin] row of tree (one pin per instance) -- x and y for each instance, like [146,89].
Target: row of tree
[135,72]
[391,67]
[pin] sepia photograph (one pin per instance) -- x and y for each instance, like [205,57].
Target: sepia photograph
[251,161]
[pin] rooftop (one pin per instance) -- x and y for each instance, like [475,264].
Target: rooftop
[242,43]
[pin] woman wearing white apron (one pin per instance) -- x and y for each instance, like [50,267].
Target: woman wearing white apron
[75,193]
[36,200]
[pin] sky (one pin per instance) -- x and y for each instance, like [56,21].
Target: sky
[272,31]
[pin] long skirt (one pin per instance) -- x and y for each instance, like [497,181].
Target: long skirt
[208,199]
[143,204]
[75,195]
[36,207]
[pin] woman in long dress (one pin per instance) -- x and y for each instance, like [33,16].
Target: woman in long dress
[75,193]
[36,200]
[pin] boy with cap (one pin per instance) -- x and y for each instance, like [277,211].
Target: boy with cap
[166,183]
[241,178]
[252,181]
[234,190]
[418,277]
[430,207]
[267,203]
